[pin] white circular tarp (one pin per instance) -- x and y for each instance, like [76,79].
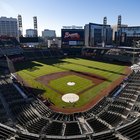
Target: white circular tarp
[70,98]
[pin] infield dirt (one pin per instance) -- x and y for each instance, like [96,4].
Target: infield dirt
[94,78]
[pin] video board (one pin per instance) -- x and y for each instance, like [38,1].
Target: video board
[72,37]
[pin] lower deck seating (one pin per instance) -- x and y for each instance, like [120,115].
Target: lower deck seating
[106,136]
[131,131]
[118,109]
[37,126]
[112,119]
[97,126]
[22,136]
[6,133]
[54,128]
[72,129]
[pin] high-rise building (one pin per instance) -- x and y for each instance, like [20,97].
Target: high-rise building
[48,33]
[8,27]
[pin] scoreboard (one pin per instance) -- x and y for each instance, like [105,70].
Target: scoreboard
[72,37]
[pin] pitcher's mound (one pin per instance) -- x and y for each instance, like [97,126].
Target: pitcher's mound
[71,83]
[70,98]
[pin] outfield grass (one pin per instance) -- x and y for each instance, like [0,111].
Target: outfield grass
[29,71]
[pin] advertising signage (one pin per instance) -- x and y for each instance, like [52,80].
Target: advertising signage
[72,37]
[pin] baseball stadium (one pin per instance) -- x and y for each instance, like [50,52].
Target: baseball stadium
[69,93]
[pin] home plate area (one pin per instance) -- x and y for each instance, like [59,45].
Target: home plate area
[70,98]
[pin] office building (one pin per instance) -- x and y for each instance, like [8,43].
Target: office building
[114,30]
[31,33]
[48,33]
[8,27]
[129,34]
[97,34]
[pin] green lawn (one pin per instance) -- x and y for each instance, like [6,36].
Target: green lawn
[29,71]
[61,84]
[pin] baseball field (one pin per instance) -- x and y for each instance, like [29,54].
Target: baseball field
[90,80]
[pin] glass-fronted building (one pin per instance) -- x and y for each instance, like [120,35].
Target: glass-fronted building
[129,34]
[97,34]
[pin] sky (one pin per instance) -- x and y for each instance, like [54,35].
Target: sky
[53,14]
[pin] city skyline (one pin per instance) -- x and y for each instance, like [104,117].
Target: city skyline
[53,14]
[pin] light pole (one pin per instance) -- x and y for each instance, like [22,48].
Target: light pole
[134,44]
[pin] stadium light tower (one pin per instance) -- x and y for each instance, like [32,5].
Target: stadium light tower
[35,25]
[119,29]
[104,31]
[136,44]
[20,29]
